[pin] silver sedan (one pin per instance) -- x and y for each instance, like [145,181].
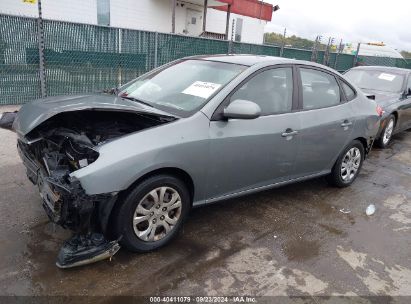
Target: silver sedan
[124,167]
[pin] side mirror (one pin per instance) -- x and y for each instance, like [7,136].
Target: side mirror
[242,109]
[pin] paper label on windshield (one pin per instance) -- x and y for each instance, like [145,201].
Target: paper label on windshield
[202,89]
[386,76]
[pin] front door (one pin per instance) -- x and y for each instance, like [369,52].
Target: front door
[326,122]
[247,154]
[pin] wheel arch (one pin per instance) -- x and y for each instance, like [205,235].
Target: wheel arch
[173,171]
[364,142]
[395,113]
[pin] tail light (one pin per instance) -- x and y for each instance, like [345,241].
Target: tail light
[380,111]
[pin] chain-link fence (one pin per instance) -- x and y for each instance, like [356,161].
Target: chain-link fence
[82,58]
[384,61]
[19,53]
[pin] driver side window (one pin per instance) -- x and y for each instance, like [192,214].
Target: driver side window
[272,90]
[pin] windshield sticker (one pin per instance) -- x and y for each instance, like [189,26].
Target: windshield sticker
[202,89]
[386,76]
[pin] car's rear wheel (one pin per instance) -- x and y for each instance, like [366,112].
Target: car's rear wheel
[152,213]
[348,165]
[387,132]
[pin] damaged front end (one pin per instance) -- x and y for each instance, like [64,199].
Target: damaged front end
[63,144]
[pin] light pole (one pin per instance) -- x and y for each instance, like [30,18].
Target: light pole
[40,36]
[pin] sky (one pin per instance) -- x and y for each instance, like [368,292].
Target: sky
[351,20]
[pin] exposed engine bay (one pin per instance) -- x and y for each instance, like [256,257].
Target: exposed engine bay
[66,140]
[63,144]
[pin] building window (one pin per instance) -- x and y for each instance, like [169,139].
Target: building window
[103,12]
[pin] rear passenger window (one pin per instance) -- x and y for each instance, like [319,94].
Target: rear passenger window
[349,93]
[320,89]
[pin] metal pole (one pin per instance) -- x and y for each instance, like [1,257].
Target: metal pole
[338,53]
[205,16]
[327,49]
[40,35]
[230,42]
[356,55]
[329,46]
[173,17]
[156,50]
[283,45]
[120,41]
[227,24]
[314,50]
[232,30]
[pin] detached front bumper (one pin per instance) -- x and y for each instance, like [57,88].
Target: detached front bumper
[65,201]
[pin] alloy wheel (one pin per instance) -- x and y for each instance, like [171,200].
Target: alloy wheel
[388,132]
[350,164]
[157,214]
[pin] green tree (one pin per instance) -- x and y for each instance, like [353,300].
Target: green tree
[406,54]
[291,41]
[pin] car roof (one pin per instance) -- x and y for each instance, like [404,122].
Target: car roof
[382,68]
[250,60]
[245,59]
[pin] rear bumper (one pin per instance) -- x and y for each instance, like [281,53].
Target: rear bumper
[382,126]
[370,142]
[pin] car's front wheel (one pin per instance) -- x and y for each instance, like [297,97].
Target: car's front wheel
[152,213]
[387,132]
[348,165]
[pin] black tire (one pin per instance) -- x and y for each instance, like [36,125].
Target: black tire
[123,216]
[335,177]
[382,142]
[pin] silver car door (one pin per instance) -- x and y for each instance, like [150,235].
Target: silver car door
[326,121]
[247,154]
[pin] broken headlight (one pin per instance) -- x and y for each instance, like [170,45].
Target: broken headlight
[78,155]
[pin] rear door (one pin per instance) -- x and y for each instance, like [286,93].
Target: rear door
[248,154]
[327,120]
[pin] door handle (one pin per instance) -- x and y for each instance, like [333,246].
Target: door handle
[289,132]
[346,123]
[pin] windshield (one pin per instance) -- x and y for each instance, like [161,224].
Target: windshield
[183,87]
[376,80]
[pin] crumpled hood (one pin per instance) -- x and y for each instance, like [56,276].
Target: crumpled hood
[383,99]
[36,112]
